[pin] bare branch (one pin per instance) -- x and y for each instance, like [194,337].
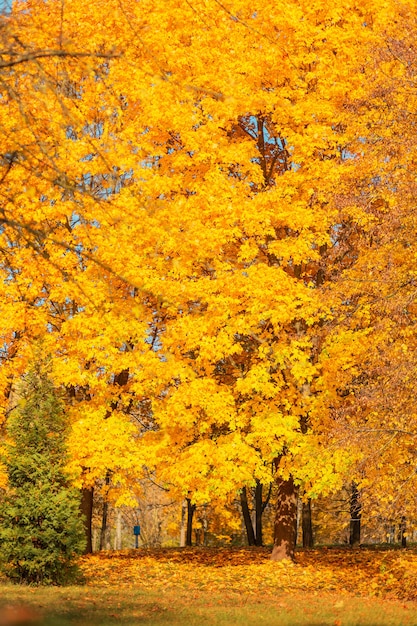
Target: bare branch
[41,54]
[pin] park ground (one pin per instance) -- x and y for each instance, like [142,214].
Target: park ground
[202,586]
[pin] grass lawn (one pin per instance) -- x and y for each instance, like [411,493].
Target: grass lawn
[105,607]
[224,587]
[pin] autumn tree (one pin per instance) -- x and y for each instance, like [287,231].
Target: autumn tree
[45,264]
[377,289]
[221,283]
[196,216]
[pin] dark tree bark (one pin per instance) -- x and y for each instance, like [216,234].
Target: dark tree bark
[190,515]
[259,509]
[104,517]
[355,517]
[285,526]
[254,534]
[86,507]
[307,525]
[246,517]
[103,529]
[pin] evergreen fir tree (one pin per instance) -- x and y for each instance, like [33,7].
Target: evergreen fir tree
[41,530]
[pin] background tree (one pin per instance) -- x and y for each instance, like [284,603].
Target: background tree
[41,530]
[377,419]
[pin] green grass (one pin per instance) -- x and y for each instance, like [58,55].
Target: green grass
[95,606]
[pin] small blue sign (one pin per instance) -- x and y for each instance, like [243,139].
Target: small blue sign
[136,530]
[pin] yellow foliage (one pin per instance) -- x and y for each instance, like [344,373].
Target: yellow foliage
[193,197]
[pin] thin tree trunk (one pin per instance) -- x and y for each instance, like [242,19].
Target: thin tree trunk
[118,534]
[104,517]
[205,527]
[183,528]
[86,507]
[403,536]
[103,530]
[307,525]
[190,514]
[285,526]
[258,514]
[355,517]
[246,517]
[198,536]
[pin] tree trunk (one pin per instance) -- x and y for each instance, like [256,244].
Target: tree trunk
[246,517]
[258,514]
[118,534]
[104,517]
[183,528]
[198,536]
[307,525]
[355,517]
[190,514]
[402,533]
[285,526]
[103,530]
[86,507]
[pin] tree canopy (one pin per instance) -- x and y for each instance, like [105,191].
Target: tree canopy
[207,215]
